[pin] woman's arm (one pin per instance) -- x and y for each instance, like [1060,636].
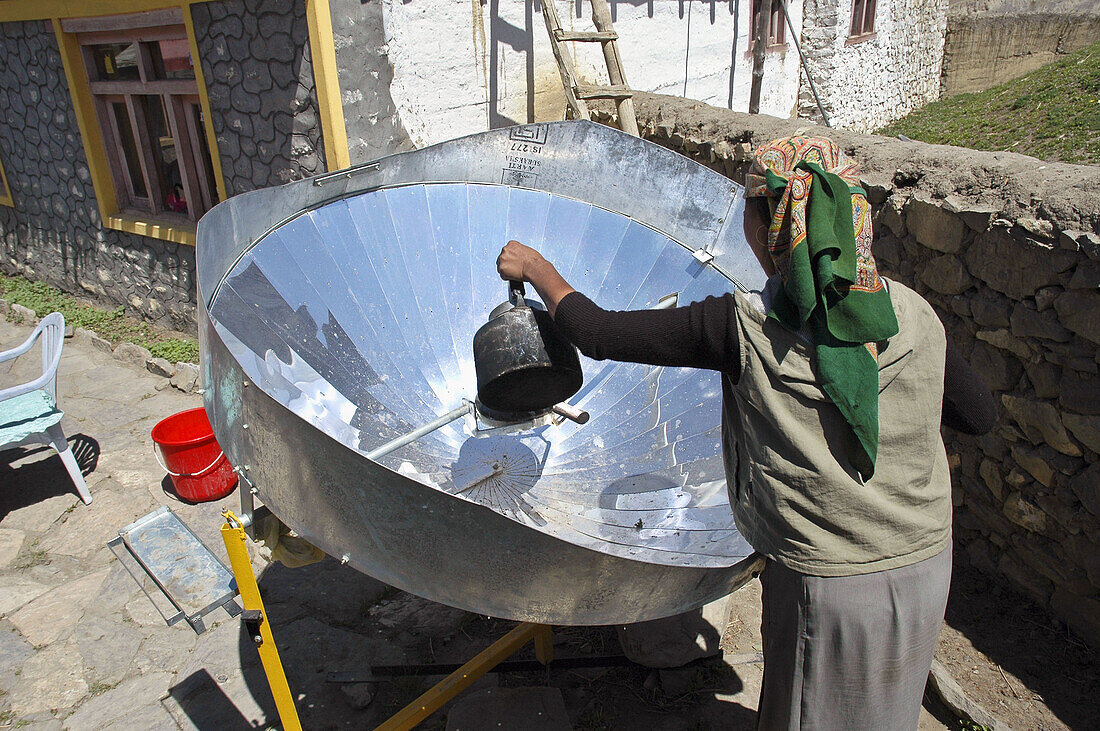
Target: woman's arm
[701,335]
[968,406]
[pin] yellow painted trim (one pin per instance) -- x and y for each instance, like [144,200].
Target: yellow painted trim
[327,81]
[94,148]
[181,233]
[5,194]
[437,696]
[13,10]
[204,102]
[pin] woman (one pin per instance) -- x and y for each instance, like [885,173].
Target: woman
[834,381]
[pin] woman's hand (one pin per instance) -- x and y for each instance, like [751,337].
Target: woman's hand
[524,264]
[517,261]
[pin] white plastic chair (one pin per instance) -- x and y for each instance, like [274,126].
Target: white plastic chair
[28,412]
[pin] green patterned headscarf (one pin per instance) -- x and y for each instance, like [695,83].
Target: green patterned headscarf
[820,241]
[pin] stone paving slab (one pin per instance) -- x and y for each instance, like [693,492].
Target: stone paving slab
[51,680]
[11,541]
[53,614]
[122,701]
[15,591]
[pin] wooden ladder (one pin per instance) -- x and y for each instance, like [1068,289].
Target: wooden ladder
[576,93]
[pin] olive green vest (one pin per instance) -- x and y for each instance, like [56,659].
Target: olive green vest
[795,496]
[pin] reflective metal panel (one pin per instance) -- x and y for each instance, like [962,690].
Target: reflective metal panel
[335,324]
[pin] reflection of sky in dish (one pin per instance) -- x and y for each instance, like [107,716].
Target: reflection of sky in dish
[359,317]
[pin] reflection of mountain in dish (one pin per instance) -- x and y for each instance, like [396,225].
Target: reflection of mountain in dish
[335,358]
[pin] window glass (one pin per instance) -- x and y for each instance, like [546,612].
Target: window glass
[863,18]
[172,59]
[157,143]
[166,155]
[776,29]
[129,149]
[208,184]
[116,61]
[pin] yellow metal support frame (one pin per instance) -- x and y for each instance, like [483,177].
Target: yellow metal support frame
[429,702]
[234,536]
[438,695]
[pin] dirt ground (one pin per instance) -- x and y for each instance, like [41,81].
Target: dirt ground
[1016,661]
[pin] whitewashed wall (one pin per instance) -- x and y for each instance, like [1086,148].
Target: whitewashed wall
[869,84]
[462,66]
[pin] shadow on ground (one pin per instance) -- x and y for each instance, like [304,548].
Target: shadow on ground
[206,704]
[1050,665]
[328,618]
[41,474]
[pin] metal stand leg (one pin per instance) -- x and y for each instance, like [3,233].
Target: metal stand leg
[234,536]
[434,698]
[544,643]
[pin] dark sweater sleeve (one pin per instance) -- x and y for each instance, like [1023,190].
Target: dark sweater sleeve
[968,405]
[704,335]
[701,335]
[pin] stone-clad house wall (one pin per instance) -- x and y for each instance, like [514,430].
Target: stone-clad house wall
[259,78]
[867,84]
[1007,250]
[53,232]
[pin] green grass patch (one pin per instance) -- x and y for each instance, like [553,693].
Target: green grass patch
[99,688]
[1053,113]
[110,325]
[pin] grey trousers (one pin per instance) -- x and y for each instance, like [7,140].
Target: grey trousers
[850,652]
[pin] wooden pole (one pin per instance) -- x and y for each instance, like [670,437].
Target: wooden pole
[601,18]
[759,44]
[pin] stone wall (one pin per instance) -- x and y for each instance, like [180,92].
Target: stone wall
[256,60]
[53,233]
[870,83]
[1006,248]
[991,43]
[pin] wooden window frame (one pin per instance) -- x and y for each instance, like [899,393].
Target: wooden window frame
[777,28]
[862,26]
[178,99]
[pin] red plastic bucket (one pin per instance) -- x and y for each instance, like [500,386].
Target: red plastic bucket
[192,458]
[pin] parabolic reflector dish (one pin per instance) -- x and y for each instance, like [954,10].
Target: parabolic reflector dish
[338,315]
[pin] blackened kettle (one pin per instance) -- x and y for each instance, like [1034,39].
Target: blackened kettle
[524,364]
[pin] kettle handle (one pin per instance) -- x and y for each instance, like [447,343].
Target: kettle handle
[516,292]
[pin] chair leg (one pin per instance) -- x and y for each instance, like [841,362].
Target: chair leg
[58,441]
